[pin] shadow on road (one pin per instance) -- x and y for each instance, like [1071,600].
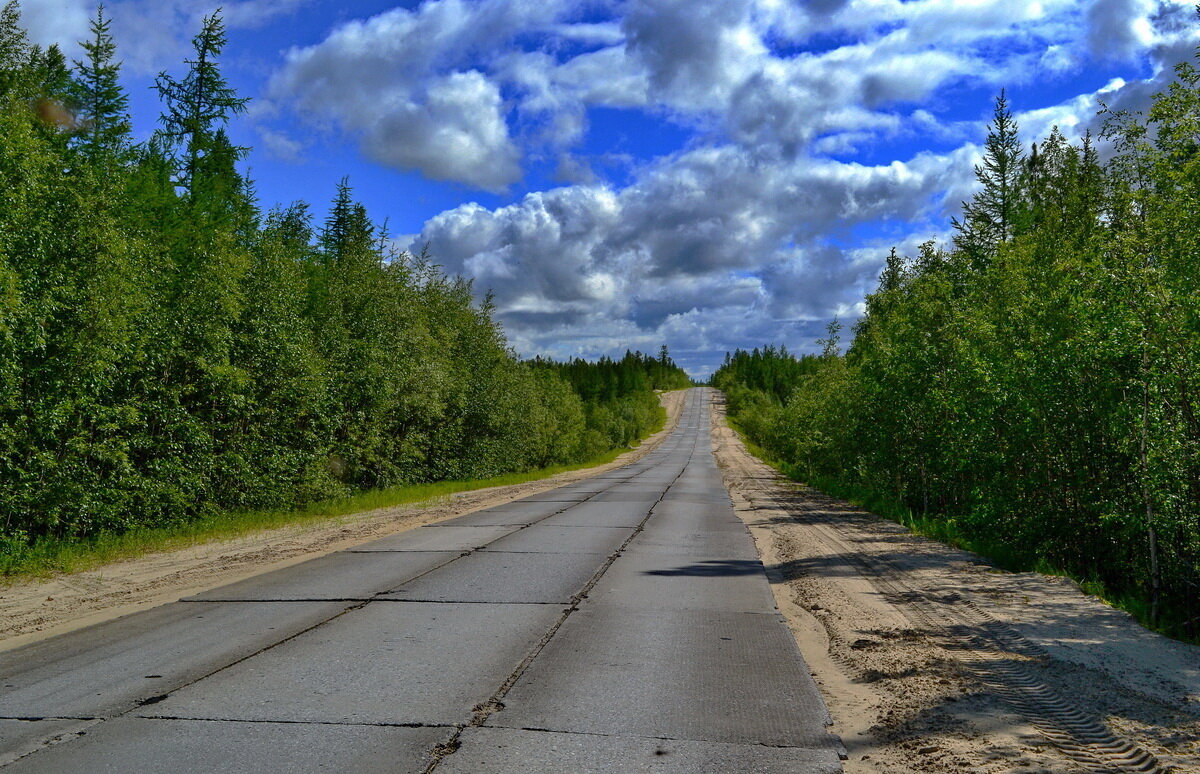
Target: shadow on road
[713,568]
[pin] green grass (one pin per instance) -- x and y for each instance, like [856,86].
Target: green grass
[50,556]
[1002,555]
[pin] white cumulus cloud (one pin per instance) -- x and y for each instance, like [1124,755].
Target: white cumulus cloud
[759,227]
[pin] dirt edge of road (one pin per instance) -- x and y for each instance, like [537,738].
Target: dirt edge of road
[933,661]
[37,609]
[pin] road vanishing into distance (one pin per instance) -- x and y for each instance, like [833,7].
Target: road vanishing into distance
[622,623]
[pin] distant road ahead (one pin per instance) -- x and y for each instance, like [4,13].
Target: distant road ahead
[618,624]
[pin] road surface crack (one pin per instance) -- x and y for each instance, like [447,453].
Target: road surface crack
[483,711]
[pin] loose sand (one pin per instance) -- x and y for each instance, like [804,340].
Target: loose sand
[36,609]
[932,660]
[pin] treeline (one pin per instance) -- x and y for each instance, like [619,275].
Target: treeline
[608,379]
[767,373]
[618,396]
[1032,386]
[169,350]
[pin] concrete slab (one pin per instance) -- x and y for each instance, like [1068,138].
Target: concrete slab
[493,576]
[692,517]
[204,747]
[690,483]
[630,493]
[343,575]
[658,538]
[586,486]
[450,537]
[386,662]
[505,751]
[683,674]
[700,469]
[19,738]
[514,514]
[663,581]
[666,469]
[571,540]
[557,496]
[662,481]
[697,497]
[111,667]
[601,515]
[652,483]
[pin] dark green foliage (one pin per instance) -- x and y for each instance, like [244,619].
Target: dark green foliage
[988,218]
[100,102]
[770,370]
[14,43]
[1041,401]
[168,351]
[198,106]
[608,379]
[618,395]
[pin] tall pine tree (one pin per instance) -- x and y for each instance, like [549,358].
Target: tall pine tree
[987,219]
[103,107]
[198,106]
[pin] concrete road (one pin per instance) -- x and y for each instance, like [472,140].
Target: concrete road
[618,624]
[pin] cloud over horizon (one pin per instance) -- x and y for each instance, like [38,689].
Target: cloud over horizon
[765,220]
[713,175]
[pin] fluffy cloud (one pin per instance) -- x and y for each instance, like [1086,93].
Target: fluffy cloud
[452,129]
[758,228]
[281,146]
[707,232]
[1119,27]
[452,76]
[62,22]
[406,83]
[150,34]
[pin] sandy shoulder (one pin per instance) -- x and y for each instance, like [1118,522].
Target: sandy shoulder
[882,616]
[33,610]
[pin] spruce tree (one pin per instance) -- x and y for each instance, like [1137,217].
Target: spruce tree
[102,104]
[221,194]
[342,225]
[51,76]
[200,104]
[893,272]
[987,219]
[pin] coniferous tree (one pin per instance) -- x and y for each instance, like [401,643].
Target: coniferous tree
[336,234]
[219,193]
[101,102]
[987,219]
[197,106]
[52,80]
[166,352]
[1033,387]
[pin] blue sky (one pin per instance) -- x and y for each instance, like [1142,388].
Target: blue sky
[622,173]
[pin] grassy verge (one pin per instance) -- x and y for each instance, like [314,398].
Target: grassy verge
[1004,556]
[58,555]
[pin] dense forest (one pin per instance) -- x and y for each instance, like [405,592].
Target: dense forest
[618,395]
[168,350]
[1031,387]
